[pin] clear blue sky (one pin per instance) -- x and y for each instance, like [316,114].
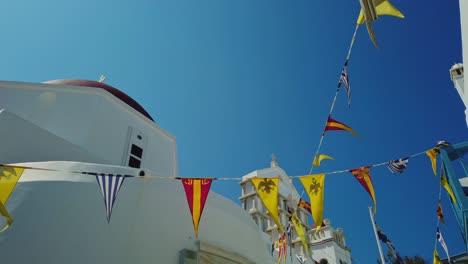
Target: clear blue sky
[235,81]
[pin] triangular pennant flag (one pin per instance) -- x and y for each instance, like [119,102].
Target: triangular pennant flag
[440,213]
[363,176]
[441,240]
[335,125]
[313,185]
[384,8]
[267,189]
[110,186]
[319,159]
[432,154]
[445,184]
[436,259]
[398,166]
[300,231]
[301,259]
[344,79]
[197,191]
[9,176]
[304,204]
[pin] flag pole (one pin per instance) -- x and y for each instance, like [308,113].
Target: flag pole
[376,236]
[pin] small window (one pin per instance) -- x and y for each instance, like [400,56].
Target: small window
[137,151]
[133,162]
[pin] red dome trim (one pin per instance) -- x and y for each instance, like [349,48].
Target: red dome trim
[114,91]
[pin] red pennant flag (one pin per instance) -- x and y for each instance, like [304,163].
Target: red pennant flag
[197,191]
[335,125]
[363,176]
[304,204]
[440,213]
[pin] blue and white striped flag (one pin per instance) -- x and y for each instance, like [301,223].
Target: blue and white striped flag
[441,240]
[387,241]
[398,166]
[110,185]
[344,79]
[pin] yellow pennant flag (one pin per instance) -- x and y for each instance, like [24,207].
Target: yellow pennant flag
[313,184]
[267,189]
[436,259]
[9,176]
[383,8]
[319,159]
[300,231]
[444,183]
[432,156]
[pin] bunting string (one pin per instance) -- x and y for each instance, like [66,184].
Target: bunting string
[152,176]
[334,98]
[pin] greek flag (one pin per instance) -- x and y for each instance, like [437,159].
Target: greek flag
[441,240]
[344,79]
[110,185]
[387,241]
[398,166]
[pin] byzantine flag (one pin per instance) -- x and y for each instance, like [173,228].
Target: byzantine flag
[300,231]
[313,184]
[436,259]
[363,176]
[335,125]
[9,176]
[319,159]
[445,184]
[440,213]
[304,204]
[109,185]
[432,154]
[196,191]
[267,189]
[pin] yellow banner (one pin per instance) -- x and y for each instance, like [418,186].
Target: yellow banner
[436,259]
[384,8]
[9,176]
[432,154]
[300,231]
[313,184]
[267,189]
[319,159]
[444,183]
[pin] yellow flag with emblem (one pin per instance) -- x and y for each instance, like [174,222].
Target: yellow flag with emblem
[9,176]
[300,231]
[267,189]
[319,159]
[313,184]
[432,154]
[444,183]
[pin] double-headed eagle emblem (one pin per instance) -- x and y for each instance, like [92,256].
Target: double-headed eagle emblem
[7,172]
[267,185]
[314,187]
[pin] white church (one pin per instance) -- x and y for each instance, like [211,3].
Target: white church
[70,126]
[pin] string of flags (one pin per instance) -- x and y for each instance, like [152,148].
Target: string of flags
[440,216]
[197,189]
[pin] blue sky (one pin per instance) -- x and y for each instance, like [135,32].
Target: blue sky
[235,81]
